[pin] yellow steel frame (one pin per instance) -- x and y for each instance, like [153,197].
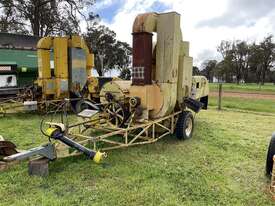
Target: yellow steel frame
[133,134]
[45,106]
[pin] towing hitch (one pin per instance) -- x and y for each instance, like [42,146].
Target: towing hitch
[56,131]
[45,152]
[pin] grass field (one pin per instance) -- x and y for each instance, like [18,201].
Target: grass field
[243,103]
[251,88]
[258,105]
[223,164]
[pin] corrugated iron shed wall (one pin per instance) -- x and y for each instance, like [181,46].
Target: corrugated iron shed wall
[20,50]
[26,61]
[23,58]
[8,40]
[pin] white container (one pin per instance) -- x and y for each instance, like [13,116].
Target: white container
[30,105]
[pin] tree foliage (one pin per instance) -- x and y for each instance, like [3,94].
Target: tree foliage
[196,70]
[43,17]
[208,69]
[235,56]
[263,58]
[109,52]
[125,74]
[243,62]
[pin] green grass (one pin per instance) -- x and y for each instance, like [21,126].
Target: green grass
[252,88]
[223,164]
[257,105]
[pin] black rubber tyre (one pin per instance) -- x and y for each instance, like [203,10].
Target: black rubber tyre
[269,157]
[185,125]
[84,104]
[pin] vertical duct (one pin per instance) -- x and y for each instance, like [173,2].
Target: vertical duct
[142,58]
[60,45]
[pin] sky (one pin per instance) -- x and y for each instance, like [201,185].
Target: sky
[204,23]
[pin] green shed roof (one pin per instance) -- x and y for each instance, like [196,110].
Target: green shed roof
[7,63]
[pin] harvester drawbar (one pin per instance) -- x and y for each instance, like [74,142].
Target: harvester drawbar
[55,132]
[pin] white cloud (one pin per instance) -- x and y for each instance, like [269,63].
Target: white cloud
[123,21]
[203,39]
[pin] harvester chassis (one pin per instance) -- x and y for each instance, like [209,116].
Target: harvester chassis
[133,134]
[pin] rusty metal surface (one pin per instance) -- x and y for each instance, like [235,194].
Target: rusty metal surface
[142,58]
[145,22]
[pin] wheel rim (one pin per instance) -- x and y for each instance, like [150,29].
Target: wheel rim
[115,113]
[189,127]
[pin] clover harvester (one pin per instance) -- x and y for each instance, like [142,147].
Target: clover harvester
[160,99]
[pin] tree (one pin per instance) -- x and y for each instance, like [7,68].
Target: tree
[125,74]
[266,54]
[222,72]
[43,17]
[196,71]
[9,19]
[224,48]
[255,62]
[242,53]
[248,62]
[262,59]
[209,69]
[109,53]
[225,67]
[236,56]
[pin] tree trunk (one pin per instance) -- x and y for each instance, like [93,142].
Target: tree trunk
[35,22]
[245,75]
[98,66]
[238,78]
[263,76]
[99,72]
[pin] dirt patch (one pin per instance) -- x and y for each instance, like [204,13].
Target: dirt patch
[245,95]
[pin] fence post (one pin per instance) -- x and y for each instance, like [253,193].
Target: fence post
[220,97]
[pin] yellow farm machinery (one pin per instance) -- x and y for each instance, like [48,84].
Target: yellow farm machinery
[159,100]
[64,69]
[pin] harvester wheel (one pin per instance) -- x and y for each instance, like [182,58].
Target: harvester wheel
[270,153]
[185,125]
[115,114]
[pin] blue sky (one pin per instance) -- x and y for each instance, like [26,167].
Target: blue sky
[108,11]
